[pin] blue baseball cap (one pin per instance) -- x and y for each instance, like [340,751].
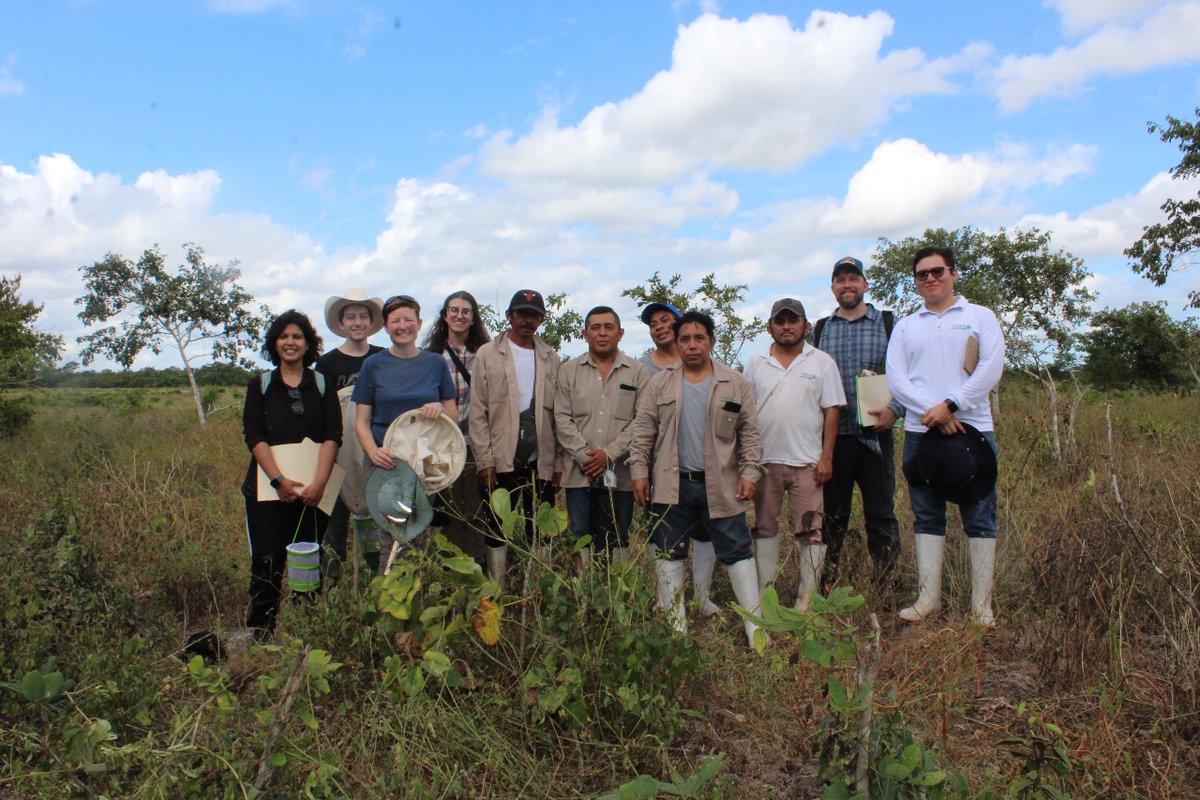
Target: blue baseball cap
[653,307]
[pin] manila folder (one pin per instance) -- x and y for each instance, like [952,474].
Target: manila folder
[873,394]
[299,462]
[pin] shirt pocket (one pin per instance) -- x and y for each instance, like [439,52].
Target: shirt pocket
[726,425]
[626,402]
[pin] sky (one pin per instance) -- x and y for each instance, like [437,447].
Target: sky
[577,147]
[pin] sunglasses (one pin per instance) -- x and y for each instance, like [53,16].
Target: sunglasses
[297,400]
[923,274]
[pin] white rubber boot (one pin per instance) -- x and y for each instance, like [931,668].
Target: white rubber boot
[766,560]
[704,558]
[743,576]
[585,558]
[619,555]
[671,575]
[930,550]
[812,559]
[497,564]
[983,565]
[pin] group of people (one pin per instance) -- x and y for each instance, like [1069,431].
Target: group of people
[675,432]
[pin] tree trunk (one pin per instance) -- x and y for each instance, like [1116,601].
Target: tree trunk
[1052,393]
[187,368]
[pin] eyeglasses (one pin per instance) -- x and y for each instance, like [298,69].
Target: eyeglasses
[460,312]
[297,400]
[923,274]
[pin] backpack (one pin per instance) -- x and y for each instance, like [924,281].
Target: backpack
[264,380]
[889,322]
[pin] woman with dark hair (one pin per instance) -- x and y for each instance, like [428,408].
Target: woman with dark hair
[285,406]
[394,381]
[456,335]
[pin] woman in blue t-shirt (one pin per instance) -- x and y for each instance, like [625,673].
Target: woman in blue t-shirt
[399,379]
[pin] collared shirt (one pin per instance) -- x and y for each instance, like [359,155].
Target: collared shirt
[925,363]
[791,403]
[496,407]
[856,345]
[732,443]
[591,411]
[461,387]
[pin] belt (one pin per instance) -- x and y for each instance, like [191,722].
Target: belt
[696,476]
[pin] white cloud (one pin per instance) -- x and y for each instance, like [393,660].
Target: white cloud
[9,85]
[245,6]
[749,95]
[906,185]
[1167,36]
[1078,16]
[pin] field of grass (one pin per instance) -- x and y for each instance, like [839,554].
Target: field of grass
[123,532]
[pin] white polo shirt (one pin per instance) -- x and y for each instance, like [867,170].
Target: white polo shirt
[925,363]
[791,403]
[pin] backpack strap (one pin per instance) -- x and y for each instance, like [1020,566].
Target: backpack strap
[889,322]
[816,334]
[264,380]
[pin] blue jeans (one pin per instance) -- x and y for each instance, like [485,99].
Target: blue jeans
[929,506]
[603,514]
[673,525]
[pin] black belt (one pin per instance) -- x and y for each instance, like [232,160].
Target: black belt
[696,476]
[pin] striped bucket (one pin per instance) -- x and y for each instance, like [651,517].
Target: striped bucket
[304,566]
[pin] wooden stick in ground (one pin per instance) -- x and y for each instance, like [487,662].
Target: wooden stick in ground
[290,689]
[864,677]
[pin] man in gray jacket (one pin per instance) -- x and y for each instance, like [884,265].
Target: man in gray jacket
[512,418]
[696,425]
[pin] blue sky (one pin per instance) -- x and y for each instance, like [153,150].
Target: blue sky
[577,147]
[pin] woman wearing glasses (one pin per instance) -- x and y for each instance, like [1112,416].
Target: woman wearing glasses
[285,406]
[456,335]
[401,378]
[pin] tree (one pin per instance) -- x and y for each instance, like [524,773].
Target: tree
[199,305]
[25,353]
[1174,244]
[1037,294]
[558,328]
[1141,346]
[732,332]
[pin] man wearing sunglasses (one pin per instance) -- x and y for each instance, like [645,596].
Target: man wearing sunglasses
[942,363]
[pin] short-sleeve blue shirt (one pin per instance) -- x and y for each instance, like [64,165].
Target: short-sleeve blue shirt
[392,385]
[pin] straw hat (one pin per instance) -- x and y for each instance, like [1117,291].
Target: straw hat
[353,297]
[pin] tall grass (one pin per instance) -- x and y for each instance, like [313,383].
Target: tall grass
[123,531]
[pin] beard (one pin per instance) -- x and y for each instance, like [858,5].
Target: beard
[849,299]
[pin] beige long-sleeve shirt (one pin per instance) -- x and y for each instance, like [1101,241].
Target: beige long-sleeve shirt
[496,407]
[732,442]
[591,411]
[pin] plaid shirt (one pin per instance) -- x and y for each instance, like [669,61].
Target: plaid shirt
[856,345]
[461,387]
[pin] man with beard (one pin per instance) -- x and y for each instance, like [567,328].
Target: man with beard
[856,336]
[593,411]
[697,434]
[798,391]
[512,419]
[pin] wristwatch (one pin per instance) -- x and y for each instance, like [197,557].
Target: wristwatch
[950,404]
[277,481]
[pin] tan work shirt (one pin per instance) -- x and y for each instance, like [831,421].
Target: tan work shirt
[592,412]
[732,443]
[496,407]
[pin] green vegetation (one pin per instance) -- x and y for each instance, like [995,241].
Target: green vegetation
[125,533]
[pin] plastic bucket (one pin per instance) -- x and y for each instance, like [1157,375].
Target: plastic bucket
[304,566]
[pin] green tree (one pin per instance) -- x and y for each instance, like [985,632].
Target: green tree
[732,332]
[199,305]
[25,353]
[560,326]
[1037,293]
[1173,245]
[1141,346]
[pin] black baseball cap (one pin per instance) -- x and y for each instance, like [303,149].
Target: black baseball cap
[527,300]
[848,264]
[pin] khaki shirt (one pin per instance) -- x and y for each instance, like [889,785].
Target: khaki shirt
[496,408]
[732,443]
[593,412]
